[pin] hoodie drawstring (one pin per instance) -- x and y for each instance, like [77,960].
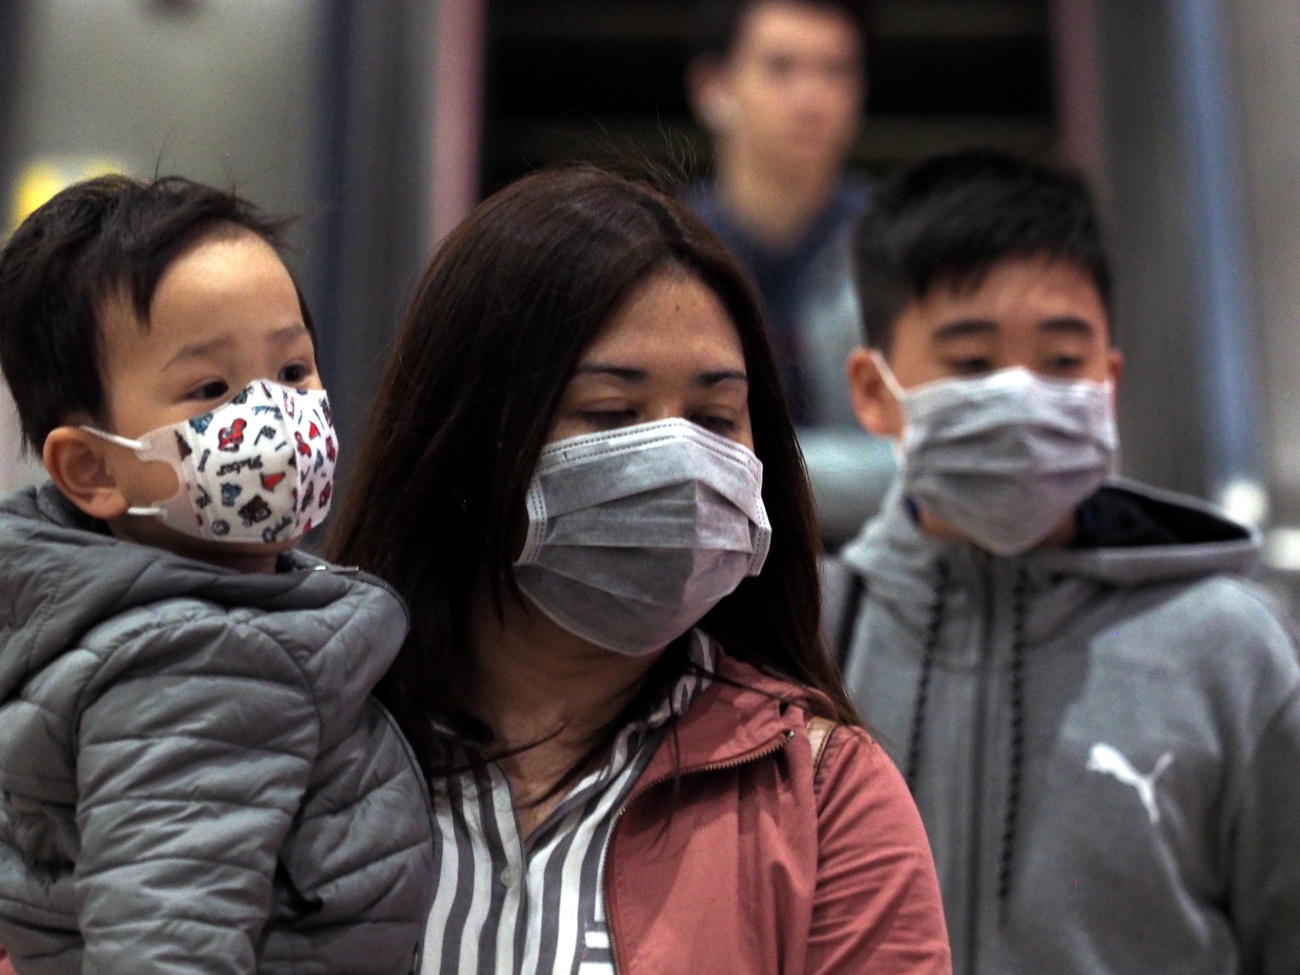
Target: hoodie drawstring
[1019,599]
[931,647]
[1019,596]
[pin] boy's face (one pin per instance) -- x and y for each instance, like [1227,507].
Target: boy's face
[1044,315]
[224,314]
[793,84]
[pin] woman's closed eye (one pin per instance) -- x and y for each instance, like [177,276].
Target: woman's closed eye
[716,422]
[610,418]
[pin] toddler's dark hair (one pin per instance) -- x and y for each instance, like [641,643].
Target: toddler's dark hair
[111,235]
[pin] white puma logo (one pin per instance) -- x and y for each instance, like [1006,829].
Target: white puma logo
[1109,760]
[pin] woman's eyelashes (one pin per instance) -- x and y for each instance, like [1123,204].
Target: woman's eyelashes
[608,419]
[611,419]
[724,425]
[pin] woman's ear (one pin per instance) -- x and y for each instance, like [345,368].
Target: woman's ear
[874,402]
[77,464]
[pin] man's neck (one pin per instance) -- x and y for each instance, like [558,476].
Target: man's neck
[774,205]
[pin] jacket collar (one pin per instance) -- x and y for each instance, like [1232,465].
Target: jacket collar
[742,713]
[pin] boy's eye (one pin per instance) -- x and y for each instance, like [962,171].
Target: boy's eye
[1064,363]
[970,366]
[213,389]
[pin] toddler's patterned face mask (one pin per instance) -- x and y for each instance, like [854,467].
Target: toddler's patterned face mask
[258,469]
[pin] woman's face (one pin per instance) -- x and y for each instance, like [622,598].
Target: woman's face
[670,350]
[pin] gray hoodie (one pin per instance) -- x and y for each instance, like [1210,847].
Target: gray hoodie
[193,777]
[1103,740]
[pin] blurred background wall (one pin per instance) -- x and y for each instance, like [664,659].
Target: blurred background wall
[381,123]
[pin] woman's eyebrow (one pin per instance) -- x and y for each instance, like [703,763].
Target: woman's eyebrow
[631,374]
[715,376]
[626,373]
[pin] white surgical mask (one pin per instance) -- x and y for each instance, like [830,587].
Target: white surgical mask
[635,534]
[1005,457]
[259,468]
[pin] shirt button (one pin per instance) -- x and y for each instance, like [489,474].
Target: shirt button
[509,876]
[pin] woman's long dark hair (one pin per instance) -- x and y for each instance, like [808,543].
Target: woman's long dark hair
[511,300]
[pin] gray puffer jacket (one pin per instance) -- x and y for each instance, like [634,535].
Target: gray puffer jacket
[193,777]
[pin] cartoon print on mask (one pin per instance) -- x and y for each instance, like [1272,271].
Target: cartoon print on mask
[232,437]
[252,461]
[255,510]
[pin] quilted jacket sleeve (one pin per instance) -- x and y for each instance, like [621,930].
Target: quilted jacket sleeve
[195,742]
[877,906]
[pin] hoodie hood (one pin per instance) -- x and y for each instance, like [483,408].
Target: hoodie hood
[1129,534]
[64,573]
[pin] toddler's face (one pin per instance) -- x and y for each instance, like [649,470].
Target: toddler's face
[224,314]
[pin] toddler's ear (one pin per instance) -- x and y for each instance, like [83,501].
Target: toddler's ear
[76,463]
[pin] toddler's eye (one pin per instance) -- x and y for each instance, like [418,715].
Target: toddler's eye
[292,375]
[214,389]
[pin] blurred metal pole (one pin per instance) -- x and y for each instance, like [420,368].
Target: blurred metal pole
[457,111]
[1222,264]
[1181,248]
[1080,139]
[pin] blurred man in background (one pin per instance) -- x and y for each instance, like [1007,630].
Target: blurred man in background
[779,85]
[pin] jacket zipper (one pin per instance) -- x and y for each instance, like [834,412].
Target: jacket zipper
[761,751]
[975,861]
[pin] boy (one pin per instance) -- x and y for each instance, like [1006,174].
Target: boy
[193,777]
[1099,719]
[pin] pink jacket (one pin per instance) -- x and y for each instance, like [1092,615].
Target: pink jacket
[743,864]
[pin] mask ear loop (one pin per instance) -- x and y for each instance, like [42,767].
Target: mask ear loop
[135,446]
[895,390]
[887,376]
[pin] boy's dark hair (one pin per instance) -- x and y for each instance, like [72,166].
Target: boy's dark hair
[97,238]
[718,22]
[949,219]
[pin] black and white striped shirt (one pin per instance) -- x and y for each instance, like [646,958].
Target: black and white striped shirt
[505,904]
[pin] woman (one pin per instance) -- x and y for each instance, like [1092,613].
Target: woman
[614,675]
